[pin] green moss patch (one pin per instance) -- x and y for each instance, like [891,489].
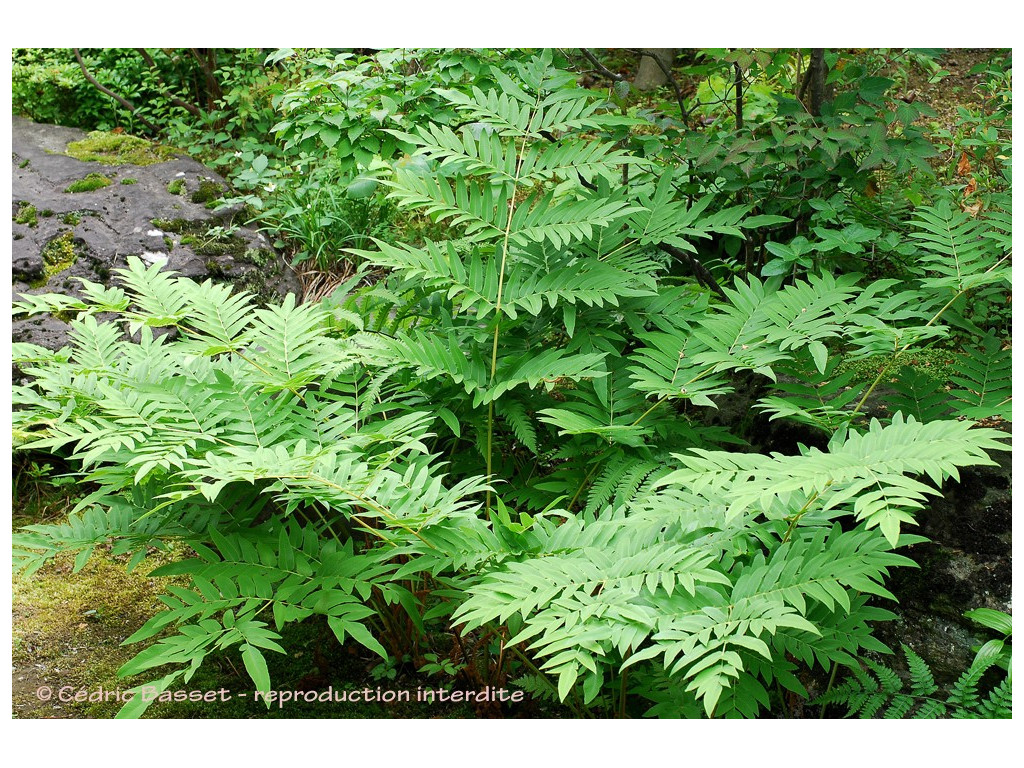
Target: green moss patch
[89,183]
[59,254]
[119,149]
[177,187]
[937,363]
[208,192]
[72,218]
[205,238]
[126,182]
[68,631]
[27,215]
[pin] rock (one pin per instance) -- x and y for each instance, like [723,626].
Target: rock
[966,564]
[135,215]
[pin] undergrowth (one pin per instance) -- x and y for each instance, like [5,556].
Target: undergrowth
[495,460]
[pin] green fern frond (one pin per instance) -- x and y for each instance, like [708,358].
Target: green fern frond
[919,395]
[876,690]
[984,377]
[870,470]
[957,250]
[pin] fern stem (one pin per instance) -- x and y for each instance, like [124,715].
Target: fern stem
[497,306]
[906,346]
[801,512]
[390,516]
[593,469]
[831,681]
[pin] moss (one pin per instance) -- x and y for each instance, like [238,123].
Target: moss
[938,363]
[46,213]
[126,182]
[89,183]
[206,238]
[67,631]
[59,254]
[177,226]
[208,192]
[72,218]
[119,149]
[258,256]
[27,215]
[24,163]
[177,187]
[169,242]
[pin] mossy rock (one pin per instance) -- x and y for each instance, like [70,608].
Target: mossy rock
[205,238]
[119,149]
[58,255]
[27,215]
[208,192]
[91,182]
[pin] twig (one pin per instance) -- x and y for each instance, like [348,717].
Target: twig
[601,67]
[119,99]
[702,273]
[667,71]
[208,65]
[739,96]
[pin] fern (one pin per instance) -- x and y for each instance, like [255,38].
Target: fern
[874,690]
[506,435]
[958,250]
[919,395]
[984,381]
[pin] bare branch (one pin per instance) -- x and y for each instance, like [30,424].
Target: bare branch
[601,67]
[683,111]
[700,272]
[119,99]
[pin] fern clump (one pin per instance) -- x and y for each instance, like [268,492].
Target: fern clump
[877,691]
[504,439]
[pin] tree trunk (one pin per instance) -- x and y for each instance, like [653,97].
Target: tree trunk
[821,91]
[653,64]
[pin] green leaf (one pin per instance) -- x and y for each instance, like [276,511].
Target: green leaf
[256,666]
[995,620]
[359,189]
[820,355]
[363,636]
[145,695]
